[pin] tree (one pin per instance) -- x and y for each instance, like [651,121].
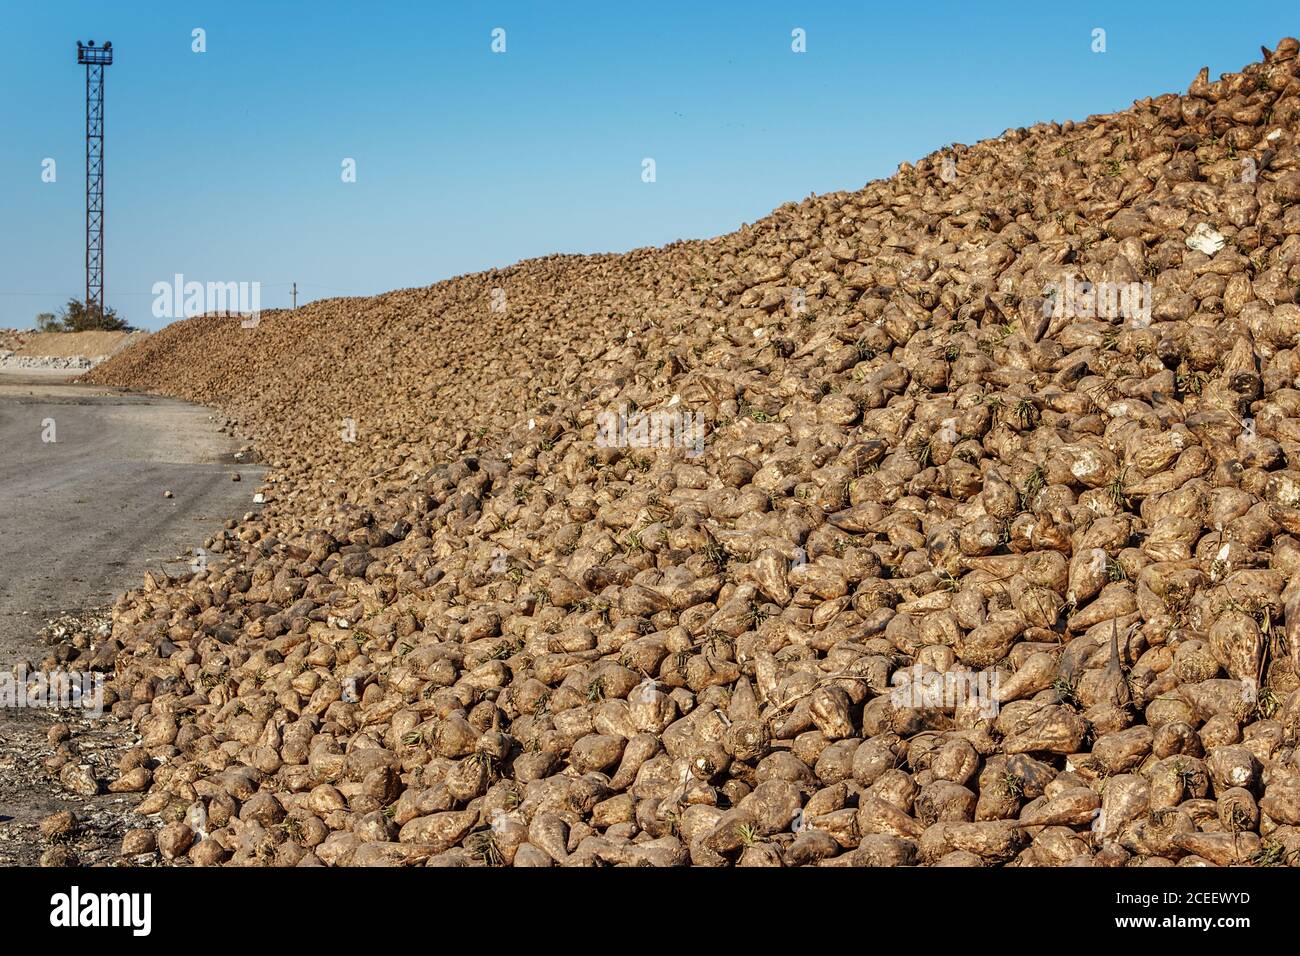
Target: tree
[75,317]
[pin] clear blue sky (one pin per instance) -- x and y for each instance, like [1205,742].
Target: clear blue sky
[225,165]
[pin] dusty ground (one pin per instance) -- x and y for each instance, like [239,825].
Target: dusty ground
[82,519]
[71,343]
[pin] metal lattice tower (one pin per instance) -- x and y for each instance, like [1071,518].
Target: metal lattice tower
[95,59]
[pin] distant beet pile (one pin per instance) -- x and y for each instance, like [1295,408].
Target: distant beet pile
[988,551]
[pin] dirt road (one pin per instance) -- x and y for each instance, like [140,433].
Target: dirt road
[82,516]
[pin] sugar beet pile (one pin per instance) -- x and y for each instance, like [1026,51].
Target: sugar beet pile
[975,567]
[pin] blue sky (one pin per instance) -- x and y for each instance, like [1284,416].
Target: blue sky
[225,165]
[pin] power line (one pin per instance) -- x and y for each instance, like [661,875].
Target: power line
[264,285]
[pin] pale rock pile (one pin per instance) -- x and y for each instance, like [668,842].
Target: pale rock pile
[11,360]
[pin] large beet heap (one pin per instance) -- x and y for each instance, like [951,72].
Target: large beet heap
[979,563]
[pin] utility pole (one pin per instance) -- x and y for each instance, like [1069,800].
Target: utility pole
[95,59]
[295,295]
